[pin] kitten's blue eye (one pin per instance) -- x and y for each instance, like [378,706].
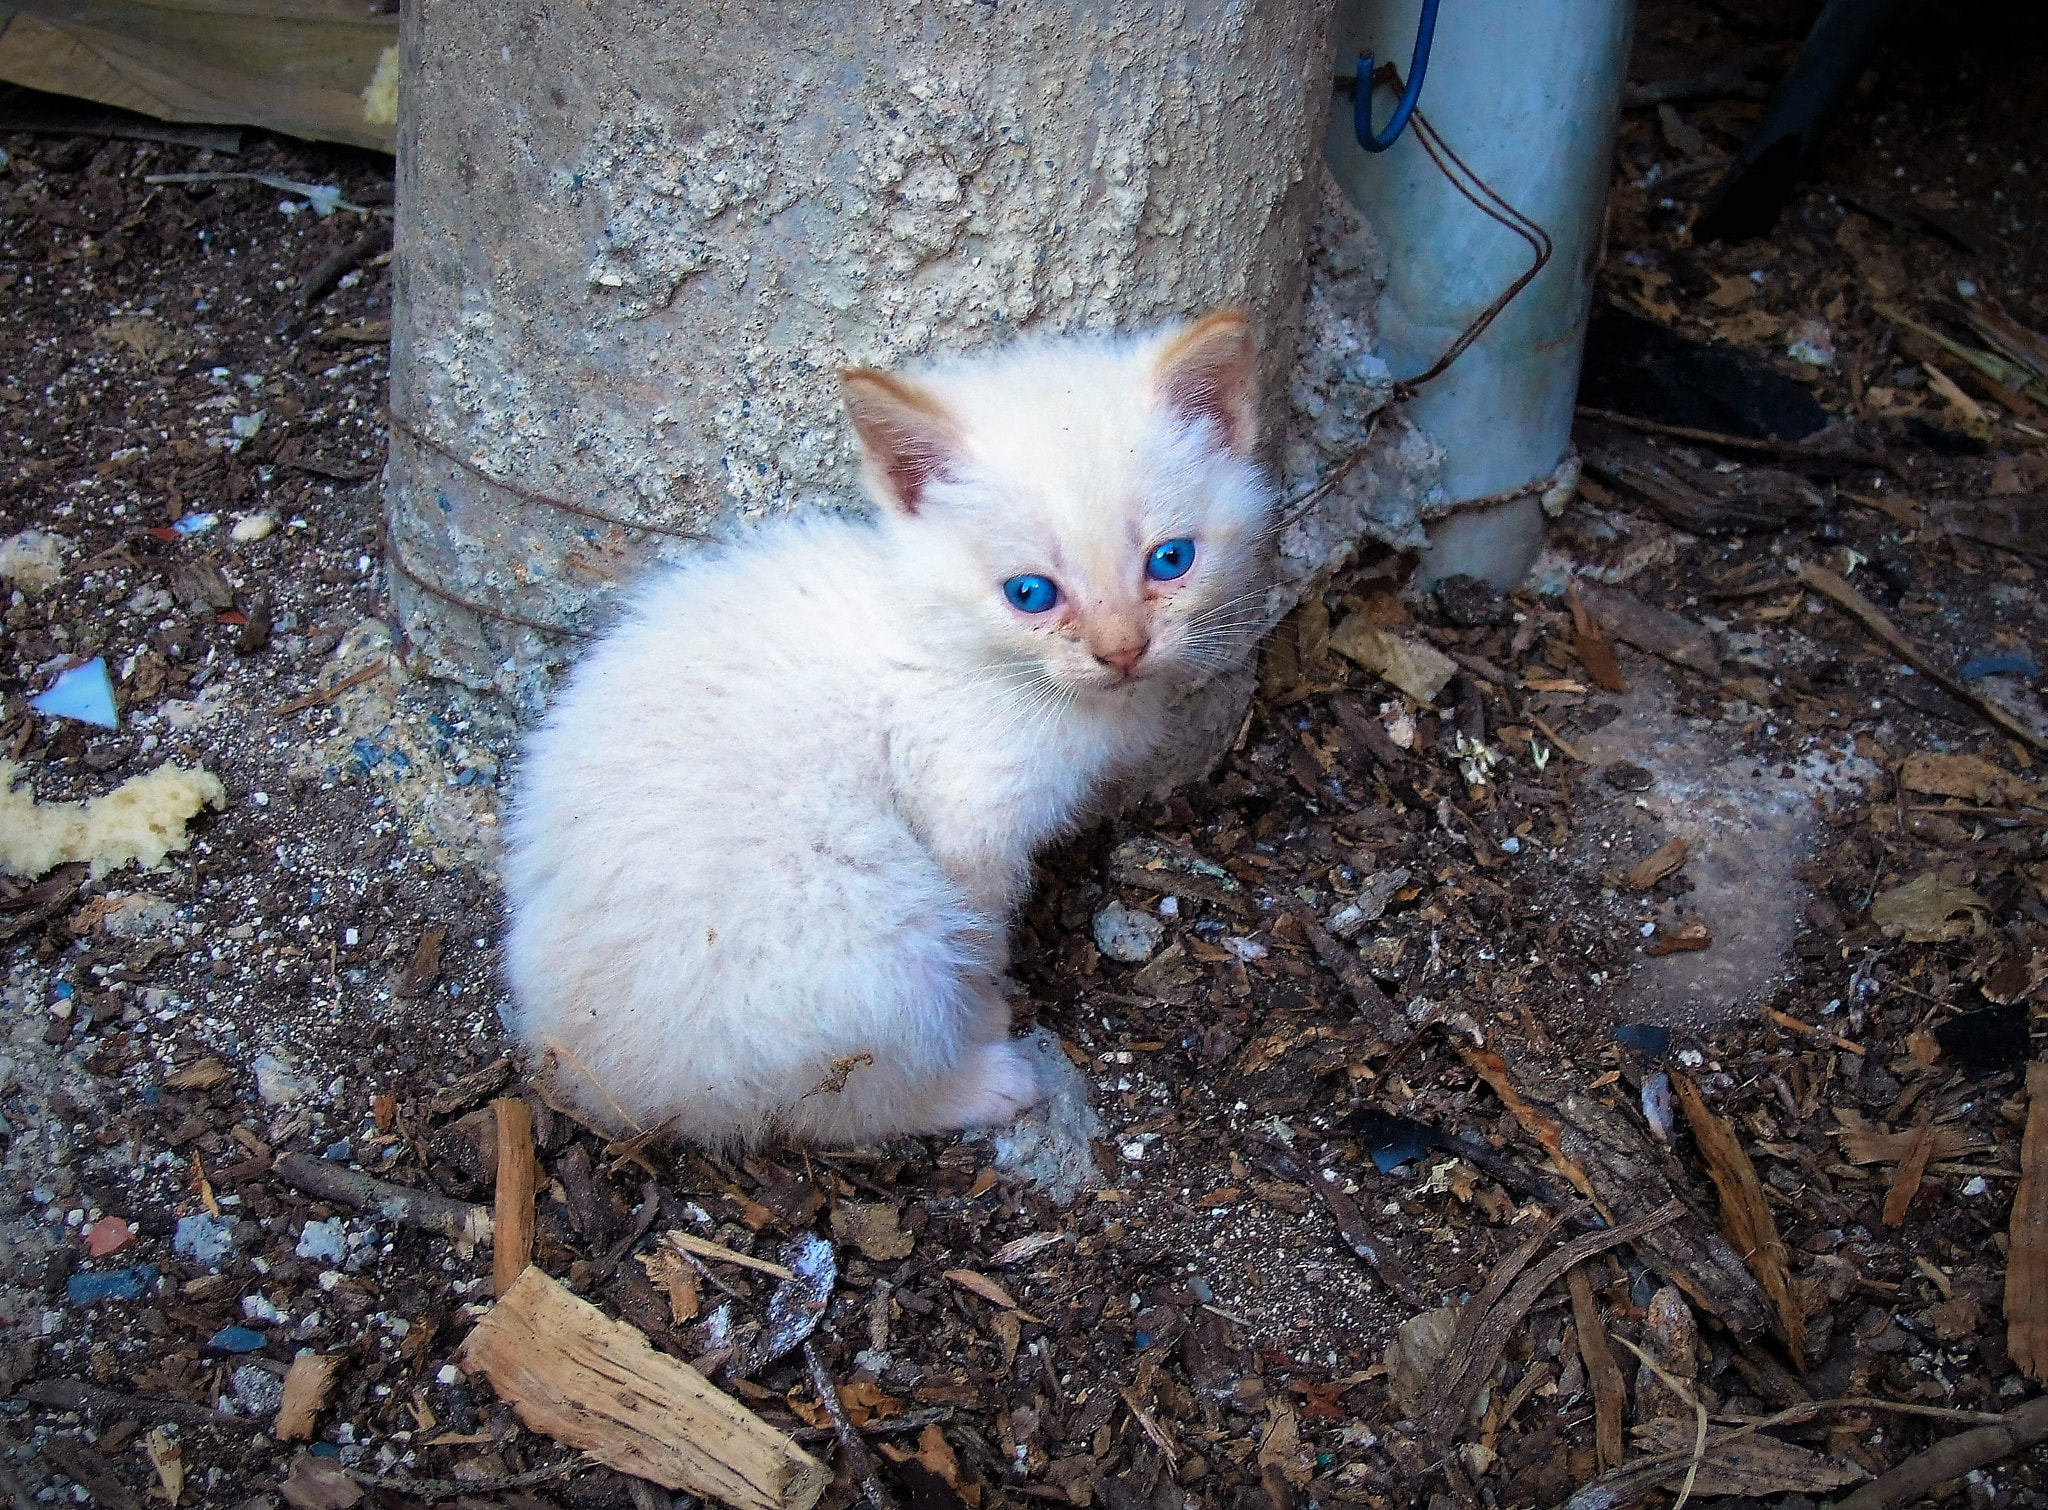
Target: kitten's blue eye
[1033,593]
[1170,559]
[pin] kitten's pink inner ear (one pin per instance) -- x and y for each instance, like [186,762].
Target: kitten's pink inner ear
[1210,372]
[906,436]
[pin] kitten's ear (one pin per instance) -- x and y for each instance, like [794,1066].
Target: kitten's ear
[906,436]
[1210,371]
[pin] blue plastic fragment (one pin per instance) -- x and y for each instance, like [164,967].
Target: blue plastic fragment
[368,755]
[64,990]
[2000,663]
[196,524]
[340,1152]
[324,1450]
[1647,1038]
[84,693]
[116,1284]
[235,1339]
[1391,1141]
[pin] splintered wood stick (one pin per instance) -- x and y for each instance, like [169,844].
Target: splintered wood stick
[2026,1269]
[1610,1390]
[575,1375]
[512,1251]
[719,1253]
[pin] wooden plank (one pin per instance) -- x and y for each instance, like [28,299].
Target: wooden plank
[575,1375]
[512,1214]
[2026,1264]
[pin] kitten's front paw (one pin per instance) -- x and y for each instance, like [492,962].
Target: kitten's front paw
[993,1085]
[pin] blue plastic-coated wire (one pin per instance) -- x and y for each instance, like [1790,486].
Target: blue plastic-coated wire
[1361,98]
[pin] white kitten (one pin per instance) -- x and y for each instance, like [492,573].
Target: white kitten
[773,830]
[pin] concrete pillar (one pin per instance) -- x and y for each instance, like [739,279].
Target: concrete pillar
[636,240]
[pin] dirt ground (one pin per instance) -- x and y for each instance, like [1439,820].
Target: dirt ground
[1362,1065]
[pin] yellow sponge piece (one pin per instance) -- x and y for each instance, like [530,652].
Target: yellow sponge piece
[142,820]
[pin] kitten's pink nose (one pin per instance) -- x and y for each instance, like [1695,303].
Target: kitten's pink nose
[1125,658]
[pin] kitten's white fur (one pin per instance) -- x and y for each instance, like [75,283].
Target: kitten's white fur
[778,820]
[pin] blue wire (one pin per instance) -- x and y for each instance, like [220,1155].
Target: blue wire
[1361,98]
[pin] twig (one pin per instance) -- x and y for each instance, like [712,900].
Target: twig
[328,694]
[1782,450]
[76,1394]
[1871,617]
[449,1489]
[1951,1459]
[456,1220]
[851,1447]
[1564,745]
[336,264]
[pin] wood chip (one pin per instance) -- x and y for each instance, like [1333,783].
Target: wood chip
[471,1090]
[425,968]
[1906,1179]
[1648,872]
[1652,630]
[576,1376]
[1865,1144]
[1746,1215]
[512,1211]
[1688,938]
[1591,646]
[203,1075]
[1610,1390]
[307,1387]
[2026,1272]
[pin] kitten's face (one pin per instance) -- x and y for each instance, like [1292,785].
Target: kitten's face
[1086,511]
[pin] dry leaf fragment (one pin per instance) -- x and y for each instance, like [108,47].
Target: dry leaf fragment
[865,1401]
[669,1272]
[1929,910]
[872,1228]
[1591,645]
[1281,1450]
[1955,1319]
[1648,872]
[983,1286]
[1970,777]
